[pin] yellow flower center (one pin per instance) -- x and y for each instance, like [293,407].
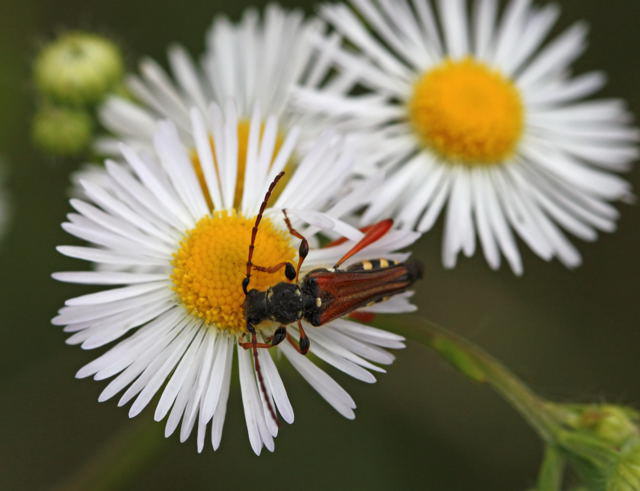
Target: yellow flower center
[467,112]
[243,144]
[210,265]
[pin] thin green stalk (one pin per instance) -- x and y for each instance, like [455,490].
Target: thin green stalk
[478,365]
[552,470]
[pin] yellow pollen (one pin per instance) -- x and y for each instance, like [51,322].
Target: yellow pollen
[210,265]
[243,144]
[467,112]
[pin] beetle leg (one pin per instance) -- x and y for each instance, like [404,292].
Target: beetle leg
[303,250]
[302,346]
[373,233]
[289,270]
[279,335]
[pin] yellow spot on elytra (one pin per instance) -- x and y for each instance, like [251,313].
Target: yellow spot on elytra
[367,265]
[384,263]
[210,264]
[243,146]
[467,112]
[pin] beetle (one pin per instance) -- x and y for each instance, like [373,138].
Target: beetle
[323,294]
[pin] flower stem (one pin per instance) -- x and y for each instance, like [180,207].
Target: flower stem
[552,470]
[478,365]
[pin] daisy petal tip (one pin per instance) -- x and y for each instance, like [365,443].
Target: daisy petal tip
[104,396]
[349,414]
[175,49]
[517,268]
[90,344]
[574,263]
[83,373]
[629,198]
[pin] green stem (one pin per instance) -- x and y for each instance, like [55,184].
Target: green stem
[552,470]
[478,365]
[123,456]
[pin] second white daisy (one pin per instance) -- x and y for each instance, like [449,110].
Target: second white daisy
[256,62]
[469,111]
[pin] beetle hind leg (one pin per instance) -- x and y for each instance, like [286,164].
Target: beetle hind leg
[303,344]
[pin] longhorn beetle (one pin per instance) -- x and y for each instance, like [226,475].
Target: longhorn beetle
[323,294]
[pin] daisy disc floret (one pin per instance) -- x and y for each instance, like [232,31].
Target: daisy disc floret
[177,260]
[208,269]
[467,113]
[475,115]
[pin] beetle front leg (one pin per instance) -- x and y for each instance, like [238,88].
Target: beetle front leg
[279,335]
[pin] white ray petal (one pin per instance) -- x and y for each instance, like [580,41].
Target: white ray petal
[251,403]
[206,158]
[106,277]
[335,395]
[180,376]
[204,366]
[276,387]
[453,14]
[485,25]
[158,376]
[221,408]
[555,56]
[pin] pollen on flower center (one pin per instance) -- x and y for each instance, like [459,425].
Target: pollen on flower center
[210,265]
[467,112]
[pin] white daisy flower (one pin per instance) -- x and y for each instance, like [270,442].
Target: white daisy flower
[177,324]
[476,111]
[255,62]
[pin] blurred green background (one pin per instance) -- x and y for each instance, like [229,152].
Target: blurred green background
[572,334]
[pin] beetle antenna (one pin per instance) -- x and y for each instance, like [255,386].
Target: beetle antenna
[245,288]
[254,231]
[263,387]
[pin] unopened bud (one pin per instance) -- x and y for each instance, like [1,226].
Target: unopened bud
[78,68]
[625,476]
[603,444]
[614,424]
[61,131]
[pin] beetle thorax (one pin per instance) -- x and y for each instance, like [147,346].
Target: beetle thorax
[284,303]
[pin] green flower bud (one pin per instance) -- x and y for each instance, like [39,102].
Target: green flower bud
[602,442]
[614,424]
[625,475]
[78,68]
[61,131]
